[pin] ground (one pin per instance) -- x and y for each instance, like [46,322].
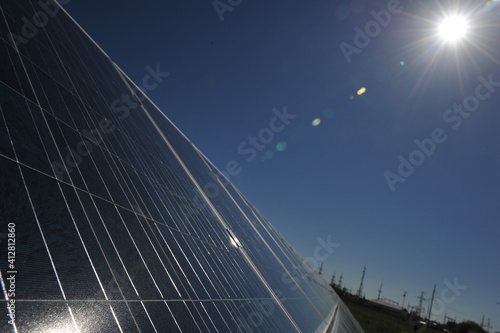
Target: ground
[377,320]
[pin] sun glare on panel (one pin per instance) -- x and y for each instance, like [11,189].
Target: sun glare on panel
[453,28]
[61,330]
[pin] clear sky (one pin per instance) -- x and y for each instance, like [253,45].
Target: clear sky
[331,167]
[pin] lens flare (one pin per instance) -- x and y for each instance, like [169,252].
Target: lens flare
[281,146]
[453,28]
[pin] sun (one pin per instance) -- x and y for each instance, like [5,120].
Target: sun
[453,28]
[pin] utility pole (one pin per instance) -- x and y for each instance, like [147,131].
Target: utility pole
[404,296]
[360,290]
[432,301]
[320,269]
[380,290]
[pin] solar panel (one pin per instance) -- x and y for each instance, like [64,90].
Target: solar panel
[113,220]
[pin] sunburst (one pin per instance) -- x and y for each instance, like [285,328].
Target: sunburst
[453,29]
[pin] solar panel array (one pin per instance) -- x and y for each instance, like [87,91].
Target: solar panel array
[116,222]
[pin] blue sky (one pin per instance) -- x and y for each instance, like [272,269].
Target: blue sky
[226,77]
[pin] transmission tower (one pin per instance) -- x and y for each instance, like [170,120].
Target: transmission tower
[380,290]
[432,301]
[449,319]
[332,282]
[360,290]
[340,280]
[421,299]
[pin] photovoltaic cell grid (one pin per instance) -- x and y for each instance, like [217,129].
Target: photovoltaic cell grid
[114,232]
